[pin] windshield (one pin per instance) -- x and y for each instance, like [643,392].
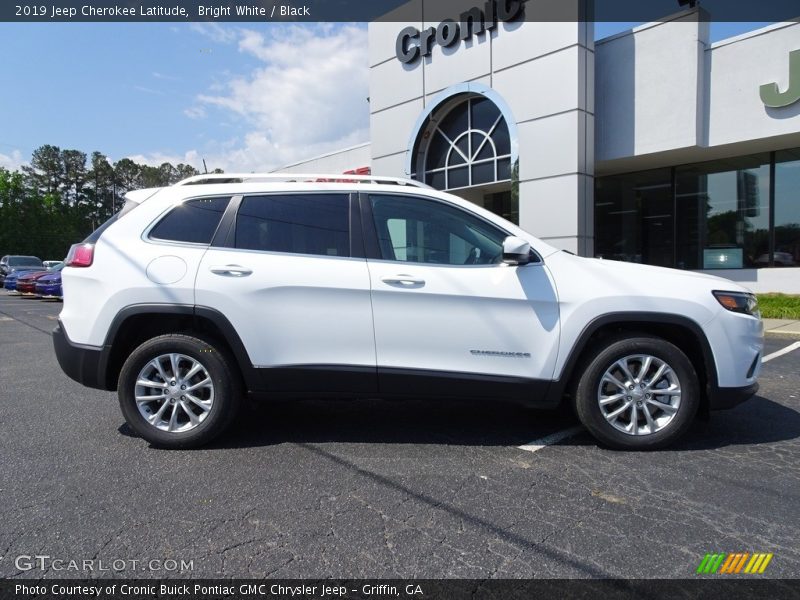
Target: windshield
[56,267]
[27,261]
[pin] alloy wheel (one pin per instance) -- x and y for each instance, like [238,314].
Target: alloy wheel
[639,394]
[174,392]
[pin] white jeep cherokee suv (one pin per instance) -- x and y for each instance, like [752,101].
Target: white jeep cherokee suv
[324,286]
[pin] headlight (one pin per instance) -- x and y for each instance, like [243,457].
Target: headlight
[740,302]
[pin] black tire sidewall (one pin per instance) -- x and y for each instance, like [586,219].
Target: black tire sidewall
[605,355]
[227,392]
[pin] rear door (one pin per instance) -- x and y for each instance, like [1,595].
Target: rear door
[291,277]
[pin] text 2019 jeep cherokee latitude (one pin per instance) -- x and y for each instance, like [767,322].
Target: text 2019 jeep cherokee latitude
[323,286]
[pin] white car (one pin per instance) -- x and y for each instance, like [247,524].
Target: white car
[332,286]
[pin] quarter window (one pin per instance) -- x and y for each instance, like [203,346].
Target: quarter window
[425,231]
[295,223]
[194,221]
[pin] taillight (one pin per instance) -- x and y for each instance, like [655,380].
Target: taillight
[80,255]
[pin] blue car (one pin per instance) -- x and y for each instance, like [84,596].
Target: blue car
[49,286]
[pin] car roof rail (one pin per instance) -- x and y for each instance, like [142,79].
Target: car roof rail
[297,178]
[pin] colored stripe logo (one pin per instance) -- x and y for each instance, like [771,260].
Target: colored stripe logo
[734,563]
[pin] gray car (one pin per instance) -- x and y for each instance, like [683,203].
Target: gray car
[17,262]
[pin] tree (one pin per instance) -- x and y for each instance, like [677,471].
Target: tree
[103,192]
[127,174]
[58,200]
[184,172]
[74,176]
[45,173]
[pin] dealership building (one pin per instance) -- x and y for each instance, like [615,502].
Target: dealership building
[653,146]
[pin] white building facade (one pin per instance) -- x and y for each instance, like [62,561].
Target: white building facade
[653,146]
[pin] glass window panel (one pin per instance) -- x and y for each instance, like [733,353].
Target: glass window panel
[723,213]
[455,122]
[503,169]
[787,208]
[436,180]
[483,173]
[504,204]
[295,223]
[194,221]
[633,217]
[458,177]
[487,151]
[456,158]
[501,138]
[463,144]
[437,151]
[484,113]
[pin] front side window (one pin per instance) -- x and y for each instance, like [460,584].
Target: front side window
[194,221]
[425,231]
[295,223]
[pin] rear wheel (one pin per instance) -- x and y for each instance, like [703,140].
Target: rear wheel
[638,393]
[179,391]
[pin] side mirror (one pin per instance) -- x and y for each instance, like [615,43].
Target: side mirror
[516,251]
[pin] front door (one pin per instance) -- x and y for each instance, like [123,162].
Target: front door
[445,307]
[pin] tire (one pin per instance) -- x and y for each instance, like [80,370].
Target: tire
[212,394]
[676,385]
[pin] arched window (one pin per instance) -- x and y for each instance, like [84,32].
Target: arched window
[465,143]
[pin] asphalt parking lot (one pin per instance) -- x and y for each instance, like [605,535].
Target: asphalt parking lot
[383,489]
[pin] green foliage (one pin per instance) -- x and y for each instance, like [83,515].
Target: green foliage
[57,200]
[779,306]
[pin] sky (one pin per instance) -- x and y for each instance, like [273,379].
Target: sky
[242,96]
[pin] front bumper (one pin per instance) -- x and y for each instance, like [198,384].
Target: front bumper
[726,398]
[84,364]
[49,290]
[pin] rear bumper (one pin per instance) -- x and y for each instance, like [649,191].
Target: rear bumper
[723,398]
[84,364]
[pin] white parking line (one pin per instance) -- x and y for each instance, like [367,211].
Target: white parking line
[551,439]
[789,348]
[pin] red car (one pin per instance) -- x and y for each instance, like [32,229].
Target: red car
[27,283]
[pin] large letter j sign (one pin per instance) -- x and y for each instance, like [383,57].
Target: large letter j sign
[773,97]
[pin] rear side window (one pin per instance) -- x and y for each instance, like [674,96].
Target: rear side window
[295,223]
[194,221]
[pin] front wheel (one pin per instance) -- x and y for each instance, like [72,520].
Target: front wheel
[178,391]
[638,393]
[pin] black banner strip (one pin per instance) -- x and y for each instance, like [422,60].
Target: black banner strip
[432,11]
[723,588]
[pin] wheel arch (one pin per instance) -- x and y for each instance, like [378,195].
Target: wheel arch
[679,330]
[137,323]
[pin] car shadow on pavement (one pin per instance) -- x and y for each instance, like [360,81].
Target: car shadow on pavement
[424,421]
[475,423]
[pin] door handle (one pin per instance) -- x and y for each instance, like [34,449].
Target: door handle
[231,271]
[407,280]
